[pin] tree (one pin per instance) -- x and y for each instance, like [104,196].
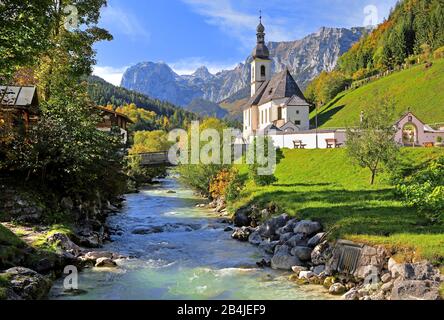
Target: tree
[373,143]
[24,31]
[424,190]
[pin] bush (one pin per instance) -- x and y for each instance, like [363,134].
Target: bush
[257,150]
[424,190]
[235,186]
[439,53]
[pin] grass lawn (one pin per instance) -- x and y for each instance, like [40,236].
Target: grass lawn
[418,88]
[323,185]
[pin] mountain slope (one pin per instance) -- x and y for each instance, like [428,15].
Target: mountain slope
[305,58]
[104,93]
[419,89]
[206,108]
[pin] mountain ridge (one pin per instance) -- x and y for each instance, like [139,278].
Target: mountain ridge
[306,58]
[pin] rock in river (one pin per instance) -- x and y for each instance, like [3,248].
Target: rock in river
[284,261]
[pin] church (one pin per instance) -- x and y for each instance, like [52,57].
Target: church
[277,102]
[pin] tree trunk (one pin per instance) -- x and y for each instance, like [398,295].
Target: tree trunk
[372,182]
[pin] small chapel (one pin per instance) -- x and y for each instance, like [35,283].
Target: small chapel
[277,102]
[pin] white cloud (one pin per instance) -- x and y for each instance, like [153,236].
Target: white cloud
[110,74]
[123,22]
[188,66]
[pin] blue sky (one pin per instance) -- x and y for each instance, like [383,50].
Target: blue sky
[187,34]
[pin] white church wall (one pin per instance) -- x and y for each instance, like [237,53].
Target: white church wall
[298,113]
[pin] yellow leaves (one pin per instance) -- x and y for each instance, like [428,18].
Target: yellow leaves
[220,182]
[150,141]
[135,113]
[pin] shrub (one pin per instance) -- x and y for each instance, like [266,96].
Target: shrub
[424,190]
[257,150]
[439,53]
[219,184]
[235,186]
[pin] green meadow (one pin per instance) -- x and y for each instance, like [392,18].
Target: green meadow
[324,185]
[419,89]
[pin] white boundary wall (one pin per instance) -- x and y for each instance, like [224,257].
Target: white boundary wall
[309,139]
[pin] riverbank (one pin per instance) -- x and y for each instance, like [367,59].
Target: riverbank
[324,187]
[34,252]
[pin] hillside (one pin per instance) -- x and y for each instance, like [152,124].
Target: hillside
[419,89]
[206,108]
[104,93]
[343,200]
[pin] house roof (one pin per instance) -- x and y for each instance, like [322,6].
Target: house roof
[115,113]
[282,85]
[18,97]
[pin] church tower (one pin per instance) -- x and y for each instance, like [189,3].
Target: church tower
[261,65]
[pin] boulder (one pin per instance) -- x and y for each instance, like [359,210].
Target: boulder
[93,256]
[268,246]
[242,234]
[148,230]
[283,249]
[270,227]
[296,240]
[284,261]
[314,241]
[307,227]
[62,241]
[284,237]
[303,253]
[319,269]
[337,289]
[322,253]
[105,263]
[28,284]
[288,228]
[352,294]
[255,238]
[297,269]
[415,290]
[242,217]
[228,229]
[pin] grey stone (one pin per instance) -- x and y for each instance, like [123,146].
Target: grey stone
[322,253]
[270,227]
[284,261]
[255,238]
[296,240]
[268,246]
[314,241]
[105,263]
[415,290]
[352,294]
[284,237]
[242,234]
[62,241]
[28,284]
[307,227]
[303,253]
[319,269]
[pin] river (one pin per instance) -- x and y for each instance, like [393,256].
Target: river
[192,258]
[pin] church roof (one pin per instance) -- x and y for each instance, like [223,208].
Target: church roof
[282,85]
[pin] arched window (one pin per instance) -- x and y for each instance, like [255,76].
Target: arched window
[262,71]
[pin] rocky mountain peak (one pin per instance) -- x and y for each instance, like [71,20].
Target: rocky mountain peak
[305,58]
